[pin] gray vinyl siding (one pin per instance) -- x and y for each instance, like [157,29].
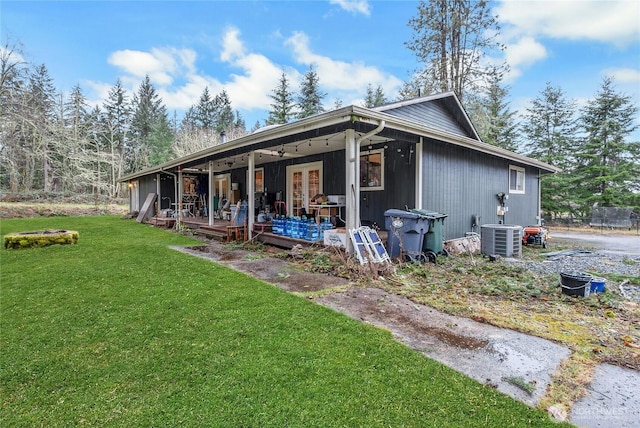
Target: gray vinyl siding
[434,114]
[146,185]
[462,183]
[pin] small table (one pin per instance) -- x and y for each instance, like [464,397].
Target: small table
[189,206]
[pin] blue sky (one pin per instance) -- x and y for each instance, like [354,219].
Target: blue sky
[244,46]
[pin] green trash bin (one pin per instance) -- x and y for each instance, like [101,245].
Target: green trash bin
[434,238]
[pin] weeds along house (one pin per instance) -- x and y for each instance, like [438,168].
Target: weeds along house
[420,153]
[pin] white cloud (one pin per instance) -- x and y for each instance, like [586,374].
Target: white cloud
[161,64]
[623,75]
[232,46]
[350,78]
[180,83]
[522,54]
[613,22]
[353,6]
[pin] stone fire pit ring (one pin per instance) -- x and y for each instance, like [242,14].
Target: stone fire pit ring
[40,238]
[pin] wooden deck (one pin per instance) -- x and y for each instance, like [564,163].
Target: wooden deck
[220,231]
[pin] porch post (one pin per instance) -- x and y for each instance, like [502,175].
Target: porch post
[210,191]
[158,193]
[419,166]
[352,184]
[251,190]
[180,193]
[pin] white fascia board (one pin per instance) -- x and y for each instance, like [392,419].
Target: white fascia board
[344,114]
[411,127]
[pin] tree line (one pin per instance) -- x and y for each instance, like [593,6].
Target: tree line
[58,143]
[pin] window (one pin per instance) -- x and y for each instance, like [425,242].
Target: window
[372,170]
[516,179]
[259,179]
[259,183]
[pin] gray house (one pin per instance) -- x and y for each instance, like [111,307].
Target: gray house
[421,153]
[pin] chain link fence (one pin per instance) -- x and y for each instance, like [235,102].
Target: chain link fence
[601,217]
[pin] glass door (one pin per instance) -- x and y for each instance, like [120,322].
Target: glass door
[297,192]
[304,182]
[221,190]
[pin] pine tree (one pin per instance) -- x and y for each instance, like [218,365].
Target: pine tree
[451,40]
[310,99]
[550,130]
[204,114]
[282,106]
[161,139]
[224,113]
[374,98]
[41,102]
[148,114]
[608,170]
[495,123]
[115,122]
[13,75]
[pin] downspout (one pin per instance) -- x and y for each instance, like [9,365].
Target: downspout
[419,172]
[353,220]
[159,193]
[539,216]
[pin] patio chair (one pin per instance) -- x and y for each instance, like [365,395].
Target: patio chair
[237,229]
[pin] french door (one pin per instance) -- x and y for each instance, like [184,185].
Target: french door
[222,187]
[303,183]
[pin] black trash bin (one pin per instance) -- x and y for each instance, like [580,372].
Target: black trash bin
[406,232]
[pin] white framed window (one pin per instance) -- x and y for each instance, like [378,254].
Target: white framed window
[259,179]
[516,179]
[372,170]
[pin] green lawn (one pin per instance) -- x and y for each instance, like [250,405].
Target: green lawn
[119,330]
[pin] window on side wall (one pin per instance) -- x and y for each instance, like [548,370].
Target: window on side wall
[516,179]
[372,170]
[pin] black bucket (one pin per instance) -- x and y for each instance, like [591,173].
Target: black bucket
[576,283]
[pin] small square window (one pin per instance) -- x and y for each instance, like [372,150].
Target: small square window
[516,179]
[372,170]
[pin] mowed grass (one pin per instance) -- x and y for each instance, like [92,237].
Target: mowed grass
[120,330]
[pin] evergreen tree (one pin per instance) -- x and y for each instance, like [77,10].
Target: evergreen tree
[75,155]
[224,113]
[13,75]
[204,114]
[451,40]
[256,126]
[161,139]
[310,99]
[550,130]
[374,98]
[148,114]
[239,123]
[282,106]
[41,104]
[608,171]
[115,122]
[495,123]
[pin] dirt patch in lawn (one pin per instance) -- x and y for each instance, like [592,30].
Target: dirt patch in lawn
[263,265]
